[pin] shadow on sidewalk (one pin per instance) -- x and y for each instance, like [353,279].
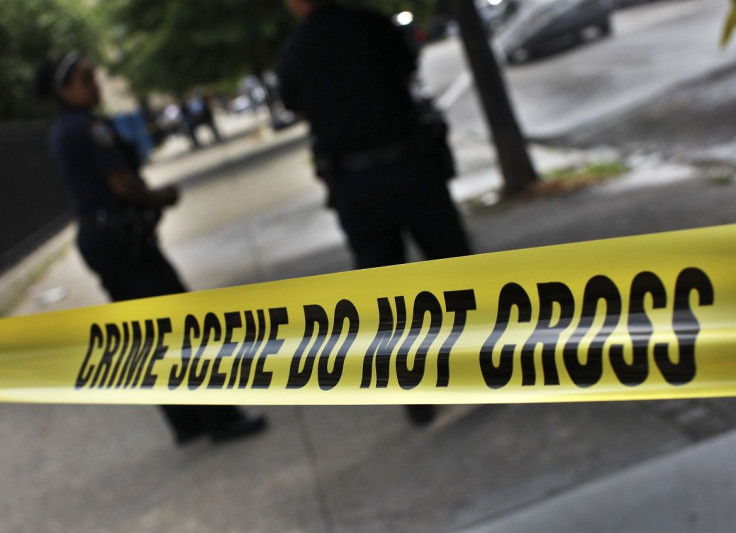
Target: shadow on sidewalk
[184,154]
[323,261]
[242,163]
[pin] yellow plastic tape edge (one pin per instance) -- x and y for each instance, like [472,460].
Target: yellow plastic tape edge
[634,318]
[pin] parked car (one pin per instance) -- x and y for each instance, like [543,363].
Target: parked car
[623,4]
[495,13]
[538,27]
[241,104]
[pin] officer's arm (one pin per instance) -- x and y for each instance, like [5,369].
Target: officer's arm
[127,187]
[286,73]
[101,148]
[289,94]
[397,47]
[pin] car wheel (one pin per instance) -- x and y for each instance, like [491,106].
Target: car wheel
[520,55]
[595,31]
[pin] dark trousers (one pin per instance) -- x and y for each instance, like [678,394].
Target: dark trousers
[129,271]
[377,207]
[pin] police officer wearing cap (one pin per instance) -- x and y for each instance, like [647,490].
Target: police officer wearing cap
[348,73]
[117,214]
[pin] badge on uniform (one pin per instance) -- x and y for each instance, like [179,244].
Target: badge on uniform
[102,133]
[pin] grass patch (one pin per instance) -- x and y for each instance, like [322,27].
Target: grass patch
[574,177]
[596,171]
[559,181]
[720,179]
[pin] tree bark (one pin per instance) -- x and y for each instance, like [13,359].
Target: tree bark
[516,165]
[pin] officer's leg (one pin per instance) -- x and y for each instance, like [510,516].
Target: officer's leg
[125,276]
[436,227]
[226,422]
[147,273]
[104,256]
[219,422]
[138,276]
[372,213]
[430,216]
[376,248]
[366,207]
[183,422]
[155,275]
[433,219]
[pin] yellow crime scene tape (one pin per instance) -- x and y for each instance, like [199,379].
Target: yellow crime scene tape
[648,317]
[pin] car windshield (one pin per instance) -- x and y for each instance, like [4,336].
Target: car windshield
[527,15]
[526,3]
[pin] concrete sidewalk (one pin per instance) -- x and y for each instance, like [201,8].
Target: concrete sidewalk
[253,214]
[684,491]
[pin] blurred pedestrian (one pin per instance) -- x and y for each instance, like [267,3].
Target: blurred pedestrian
[348,73]
[200,106]
[197,111]
[208,115]
[189,122]
[117,215]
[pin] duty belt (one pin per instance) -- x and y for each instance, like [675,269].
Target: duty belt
[99,218]
[367,159]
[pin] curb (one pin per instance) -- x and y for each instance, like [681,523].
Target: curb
[575,136]
[686,490]
[16,280]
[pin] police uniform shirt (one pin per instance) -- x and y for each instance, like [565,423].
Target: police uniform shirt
[347,71]
[87,150]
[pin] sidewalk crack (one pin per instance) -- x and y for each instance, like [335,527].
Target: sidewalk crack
[309,450]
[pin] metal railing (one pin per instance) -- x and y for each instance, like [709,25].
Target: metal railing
[33,205]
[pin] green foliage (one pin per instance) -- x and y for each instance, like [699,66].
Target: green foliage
[174,46]
[729,25]
[29,31]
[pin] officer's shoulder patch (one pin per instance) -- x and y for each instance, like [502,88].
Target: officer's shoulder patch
[102,133]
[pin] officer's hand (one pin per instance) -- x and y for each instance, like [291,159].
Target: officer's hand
[169,195]
[125,185]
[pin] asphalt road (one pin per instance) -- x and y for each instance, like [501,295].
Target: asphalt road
[252,211]
[653,48]
[363,469]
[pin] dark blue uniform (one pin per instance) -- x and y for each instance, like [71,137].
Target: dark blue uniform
[117,238]
[347,71]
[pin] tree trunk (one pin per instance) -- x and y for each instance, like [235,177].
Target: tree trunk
[516,165]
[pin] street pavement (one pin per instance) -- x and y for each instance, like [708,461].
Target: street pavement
[488,468]
[642,499]
[654,47]
[251,211]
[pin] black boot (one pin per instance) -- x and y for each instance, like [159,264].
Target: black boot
[420,415]
[243,427]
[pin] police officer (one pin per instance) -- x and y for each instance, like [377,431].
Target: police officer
[348,72]
[117,215]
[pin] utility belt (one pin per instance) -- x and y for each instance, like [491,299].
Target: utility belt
[375,157]
[329,167]
[99,219]
[429,144]
[131,224]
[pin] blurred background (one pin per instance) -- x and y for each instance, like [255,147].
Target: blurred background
[626,109]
